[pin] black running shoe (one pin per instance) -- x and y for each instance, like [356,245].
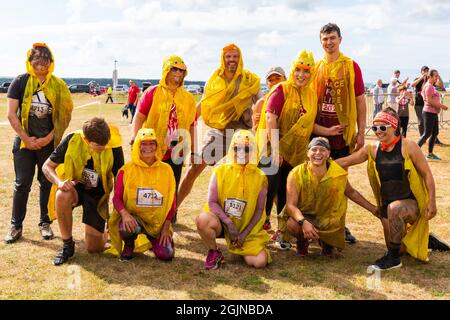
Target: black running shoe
[349,238]
[64,254]
[387,262]
[436,244]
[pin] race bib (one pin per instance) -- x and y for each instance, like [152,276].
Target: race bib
[235,207]
[89,178]
[147,197]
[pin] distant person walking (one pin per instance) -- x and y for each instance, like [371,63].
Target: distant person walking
[392,93]
[418,105]
[133,97]
[378,97]
[404,99]
[39,110]
[109,91]
[431,109]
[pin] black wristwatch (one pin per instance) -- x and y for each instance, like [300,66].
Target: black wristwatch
[301,221]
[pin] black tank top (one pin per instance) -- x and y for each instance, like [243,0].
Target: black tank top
[393,176]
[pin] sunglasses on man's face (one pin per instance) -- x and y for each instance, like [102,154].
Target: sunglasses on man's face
[246,149]
[175,69]
[382,127]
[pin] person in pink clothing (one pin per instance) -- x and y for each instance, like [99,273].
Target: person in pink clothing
[432,108]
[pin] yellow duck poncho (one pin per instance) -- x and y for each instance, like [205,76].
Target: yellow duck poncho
[324,198]
[222,102]
[77,155]
[244,183]
[295,124]
[342,74]
[163,100]
[57,93]
[416,238]
[139,178]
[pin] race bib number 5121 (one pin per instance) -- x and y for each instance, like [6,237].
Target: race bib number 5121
[147,197]
[235,207]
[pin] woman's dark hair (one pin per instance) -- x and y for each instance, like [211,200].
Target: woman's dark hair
[41,52]
[432,72]
[394,113]
[331,27]
[97,130]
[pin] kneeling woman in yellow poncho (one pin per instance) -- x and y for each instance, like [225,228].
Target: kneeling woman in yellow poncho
[317,192]
[144,202]
[235,209]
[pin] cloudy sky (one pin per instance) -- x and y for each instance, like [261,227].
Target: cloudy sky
[86,36]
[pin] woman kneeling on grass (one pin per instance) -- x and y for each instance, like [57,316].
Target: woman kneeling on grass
[235,209]
[144,203]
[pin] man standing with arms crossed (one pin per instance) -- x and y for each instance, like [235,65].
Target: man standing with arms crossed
[341,113]
[226,104]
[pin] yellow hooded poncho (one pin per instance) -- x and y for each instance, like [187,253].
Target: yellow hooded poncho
[297,118]
[77,155]
[163,100]
[325,199]
[223,102]
[56,92]
[416,238]
[140,180]
[342,74]
[243,183]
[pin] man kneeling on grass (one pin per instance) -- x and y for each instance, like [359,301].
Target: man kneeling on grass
[235,209]
[317,192]
[82,170]
[144,202]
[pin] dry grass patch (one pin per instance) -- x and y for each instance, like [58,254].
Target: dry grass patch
[26,270]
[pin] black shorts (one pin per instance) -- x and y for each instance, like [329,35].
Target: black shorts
[340,153]
[89,203]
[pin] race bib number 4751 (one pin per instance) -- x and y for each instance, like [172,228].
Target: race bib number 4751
[147,197]
[235,207]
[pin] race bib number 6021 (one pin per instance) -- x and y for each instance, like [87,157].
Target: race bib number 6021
[147,197]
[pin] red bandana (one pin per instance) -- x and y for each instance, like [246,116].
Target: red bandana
[386,118]
[385,146]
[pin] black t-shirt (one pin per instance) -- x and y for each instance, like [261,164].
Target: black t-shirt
[40,121]
[90,179]
[419,98]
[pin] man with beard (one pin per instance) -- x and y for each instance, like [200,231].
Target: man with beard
[226,104]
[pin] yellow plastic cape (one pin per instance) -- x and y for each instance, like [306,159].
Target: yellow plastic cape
[163,100]
[416,238]
[295,127]
[243,182]
[137,174]
[77,155]
[222,102]
[325,198]
[56,92]
[342,73]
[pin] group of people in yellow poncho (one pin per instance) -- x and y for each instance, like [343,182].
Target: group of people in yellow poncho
[145,196]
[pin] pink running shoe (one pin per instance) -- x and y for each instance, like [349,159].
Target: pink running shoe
[214,259]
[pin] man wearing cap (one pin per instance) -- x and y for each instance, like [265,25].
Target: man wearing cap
[316,200]
[417,84]
[290,108]
[404,189]
[225,106]
[170,110]
[341,99]
[274,76]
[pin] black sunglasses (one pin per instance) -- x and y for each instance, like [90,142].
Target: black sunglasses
[382,128]
[246,149]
